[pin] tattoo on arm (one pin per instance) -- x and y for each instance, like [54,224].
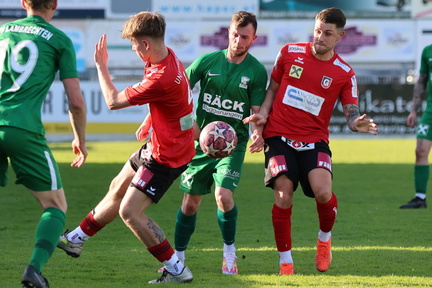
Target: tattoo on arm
[419,92]
[157,231]
[351,113]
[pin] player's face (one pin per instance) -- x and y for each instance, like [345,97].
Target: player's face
[240,40]
[140,47]
[325,37]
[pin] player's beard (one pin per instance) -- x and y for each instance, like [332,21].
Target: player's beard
[238,53]
[321,48]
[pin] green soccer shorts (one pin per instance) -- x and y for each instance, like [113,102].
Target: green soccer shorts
[30,158]
[424,127]
[203,171]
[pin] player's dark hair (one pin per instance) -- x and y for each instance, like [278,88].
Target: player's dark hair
[332,16]
[39,4]
[243,18]
[151,24]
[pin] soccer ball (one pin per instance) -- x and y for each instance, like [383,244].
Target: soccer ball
[218,139]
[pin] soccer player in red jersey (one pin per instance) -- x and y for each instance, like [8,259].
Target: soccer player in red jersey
[306,81]
[151,170]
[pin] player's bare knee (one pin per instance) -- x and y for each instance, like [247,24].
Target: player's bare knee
[189,208]
[126,215]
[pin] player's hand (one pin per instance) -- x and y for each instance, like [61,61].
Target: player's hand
[81,152]
[366,125]
[197,131]
[143,131]
[412,119]
[258,119]
[257,142]
[101,52]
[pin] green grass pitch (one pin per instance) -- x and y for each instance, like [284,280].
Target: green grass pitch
[375,244]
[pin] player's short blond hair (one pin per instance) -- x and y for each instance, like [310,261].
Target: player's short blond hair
[150,24]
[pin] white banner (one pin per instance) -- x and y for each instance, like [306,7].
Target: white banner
[63,4]
[424,38]
[421,9]
[198,9]
[364,40]
[55,107]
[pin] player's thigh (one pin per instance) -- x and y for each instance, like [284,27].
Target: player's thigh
[283,190]
[198,177]
[229,170]
[320,181]
[319,161]
[31,160]
[54,198]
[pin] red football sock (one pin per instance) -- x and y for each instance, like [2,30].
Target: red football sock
[327,213]
[282,227]
[162,251]
[89,225]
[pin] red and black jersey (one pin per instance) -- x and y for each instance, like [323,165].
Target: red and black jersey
[165,88]
[308,91]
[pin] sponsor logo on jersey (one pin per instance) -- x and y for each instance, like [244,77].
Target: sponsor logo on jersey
[298,145]
[152,71]
[230,173]
[324,161]
[277,164]
[151,190]
[303,100]
[296,49]
[223,107]
[187,179]
[326,82]
[423,129]
[296,71]
[142,177]
[243,82]
[345,67]
[299,60]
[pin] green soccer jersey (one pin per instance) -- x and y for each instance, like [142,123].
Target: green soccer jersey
[31,53]
[426,68]
[227,90]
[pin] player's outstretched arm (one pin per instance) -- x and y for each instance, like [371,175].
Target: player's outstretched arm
[359,123]
[113,98]
[78,119]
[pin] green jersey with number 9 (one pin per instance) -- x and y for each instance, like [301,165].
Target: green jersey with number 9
[31,53]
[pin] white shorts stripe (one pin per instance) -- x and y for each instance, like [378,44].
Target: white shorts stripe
[52,171]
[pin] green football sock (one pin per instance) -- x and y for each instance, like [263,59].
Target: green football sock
[228,224]
[421,177]
[185,227]
[48,231]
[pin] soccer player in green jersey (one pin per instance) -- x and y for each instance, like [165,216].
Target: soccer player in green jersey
[31,53]
[232,83]
[424,131]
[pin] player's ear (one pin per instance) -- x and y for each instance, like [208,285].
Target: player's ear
[340,35]
[54,5]
[23,4]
